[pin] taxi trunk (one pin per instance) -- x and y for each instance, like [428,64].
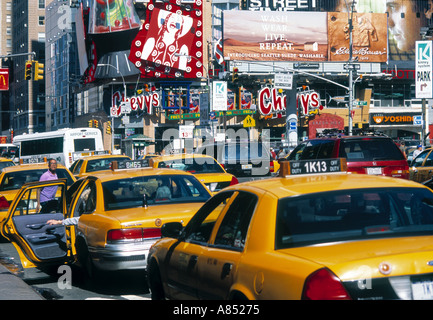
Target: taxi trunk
[397,268]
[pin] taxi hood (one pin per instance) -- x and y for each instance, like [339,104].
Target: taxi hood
[371,258]
[156,215]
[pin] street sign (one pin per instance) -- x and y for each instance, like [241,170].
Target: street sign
[283,81]
[423,68]
[219,96]
[204,109]
[249,122]
[186,131]
[4,79]
[125,107]
[417,120]
[360,103]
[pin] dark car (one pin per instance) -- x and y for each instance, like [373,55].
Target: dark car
[241,159]
[376,155]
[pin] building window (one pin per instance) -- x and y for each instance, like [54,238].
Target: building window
[8,18]
[8,6]
[41,20]
[41,4]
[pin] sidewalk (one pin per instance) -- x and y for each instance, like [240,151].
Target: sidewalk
[14,288]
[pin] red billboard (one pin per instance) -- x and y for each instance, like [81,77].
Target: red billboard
[4,79]
[170,42]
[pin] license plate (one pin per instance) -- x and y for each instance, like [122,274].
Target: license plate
[422,290]
[374,170]
[247,166]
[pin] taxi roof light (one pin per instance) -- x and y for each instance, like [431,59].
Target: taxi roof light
[324,285]
[315,166]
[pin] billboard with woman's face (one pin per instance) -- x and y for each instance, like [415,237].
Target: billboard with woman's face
[170,43]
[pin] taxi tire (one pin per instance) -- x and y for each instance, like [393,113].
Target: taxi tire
[85,259]
[155,283]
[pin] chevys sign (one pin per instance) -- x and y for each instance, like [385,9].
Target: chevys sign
[270,102]
[140,102]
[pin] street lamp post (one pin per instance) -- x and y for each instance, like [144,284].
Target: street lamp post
[124,97]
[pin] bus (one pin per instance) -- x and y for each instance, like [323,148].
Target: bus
[64,145]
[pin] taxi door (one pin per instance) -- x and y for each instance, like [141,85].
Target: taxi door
[38,243]
[219,261]
[182,260]
[425,172]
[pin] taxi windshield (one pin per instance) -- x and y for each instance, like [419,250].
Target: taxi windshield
[353,215]
[152,190]
[15,180]
[193,165]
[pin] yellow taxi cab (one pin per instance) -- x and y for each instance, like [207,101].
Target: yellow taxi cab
[421,168]
[303,235]
[108,221]
[12,178]
[89,165]
[204,167]
[6,162]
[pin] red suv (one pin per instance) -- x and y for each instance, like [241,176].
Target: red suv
[377,155]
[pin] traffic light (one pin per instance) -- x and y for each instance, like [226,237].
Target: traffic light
[95,123]
[28,70]
[39,71]
[235,75]
[90,122]
[108,129]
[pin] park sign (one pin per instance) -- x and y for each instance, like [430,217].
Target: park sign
[423,70]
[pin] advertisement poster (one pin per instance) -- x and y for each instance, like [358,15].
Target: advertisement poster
[369,37]
[304,36]
[275,36]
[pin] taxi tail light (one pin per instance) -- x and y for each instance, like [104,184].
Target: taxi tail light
[234,181]
[324,285]
[4,204]
[133,234]
[271,166]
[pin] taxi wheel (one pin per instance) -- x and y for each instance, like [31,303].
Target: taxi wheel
[85,259]
[155,283]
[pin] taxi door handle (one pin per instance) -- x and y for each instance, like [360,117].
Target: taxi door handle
[192,262]
[227,267]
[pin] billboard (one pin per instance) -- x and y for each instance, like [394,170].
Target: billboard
[4,79]
[406,18]
[170,42]
[303,36]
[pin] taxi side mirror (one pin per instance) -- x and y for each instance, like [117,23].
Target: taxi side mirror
[171,230]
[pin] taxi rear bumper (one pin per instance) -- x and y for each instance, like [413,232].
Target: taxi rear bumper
[125,256]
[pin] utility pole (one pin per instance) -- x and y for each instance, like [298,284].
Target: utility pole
[351,67]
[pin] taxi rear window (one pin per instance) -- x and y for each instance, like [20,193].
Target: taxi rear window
[193,165]
[353,215]
[152,190]
[15,180]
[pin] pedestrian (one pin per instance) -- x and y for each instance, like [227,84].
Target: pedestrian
[417,151]
[274,155]
[281,153]
[45,196]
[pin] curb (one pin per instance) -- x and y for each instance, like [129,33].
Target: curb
[14,288]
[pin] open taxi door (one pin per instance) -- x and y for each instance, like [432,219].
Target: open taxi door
[39,244]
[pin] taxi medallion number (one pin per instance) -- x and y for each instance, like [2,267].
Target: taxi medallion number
[315,166]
